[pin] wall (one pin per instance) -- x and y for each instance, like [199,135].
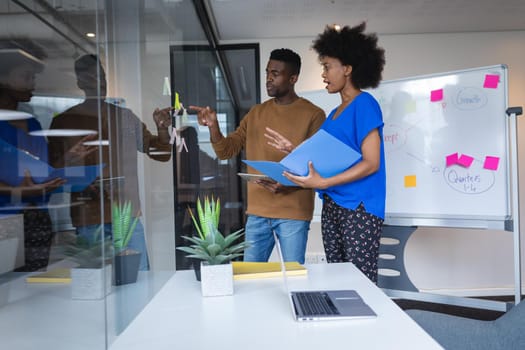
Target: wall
[139,69]
[456,261]
[158,200]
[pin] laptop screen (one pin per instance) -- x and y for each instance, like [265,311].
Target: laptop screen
[339,304]
[281,261]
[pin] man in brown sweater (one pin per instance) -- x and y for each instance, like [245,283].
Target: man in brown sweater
[121,134]
[272,206]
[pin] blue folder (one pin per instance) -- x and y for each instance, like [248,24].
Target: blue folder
[77,177]
[329,155]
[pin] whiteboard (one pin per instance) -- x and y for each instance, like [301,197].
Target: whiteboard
[446,147]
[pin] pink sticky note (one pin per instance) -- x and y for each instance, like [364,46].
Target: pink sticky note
[436,95]
[491,163]
[491,81]
[465,160]
[452,159]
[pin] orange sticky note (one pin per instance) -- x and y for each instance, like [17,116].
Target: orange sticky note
[491,81]
[452,159]
[410,181]
[491,163]
[465,161]
[436,95]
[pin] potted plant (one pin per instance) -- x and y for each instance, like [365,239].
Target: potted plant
[91,278]
[127,261]
[214,250]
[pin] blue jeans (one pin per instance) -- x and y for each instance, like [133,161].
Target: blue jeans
[292,235]
[137,241]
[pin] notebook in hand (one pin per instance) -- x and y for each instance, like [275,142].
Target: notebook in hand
[324,305]
[77,177]
[252,177]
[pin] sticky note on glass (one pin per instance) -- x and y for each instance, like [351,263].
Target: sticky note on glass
[491,163]
[176,105]
[452,159]
[436,95]
[410,181]
[491,81]
[184,118]
[465,161]
[166,90]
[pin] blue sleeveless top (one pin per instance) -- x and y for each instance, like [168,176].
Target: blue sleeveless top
[11,173]
[352,126]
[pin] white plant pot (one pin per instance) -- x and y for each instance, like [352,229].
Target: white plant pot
[90,284]
[8,250]
[11,230]
[4,294]
[216,280]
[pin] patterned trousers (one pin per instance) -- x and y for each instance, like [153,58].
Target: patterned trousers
[351,236]
[38,237]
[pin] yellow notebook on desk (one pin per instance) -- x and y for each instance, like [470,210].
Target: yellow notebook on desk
[59,275]
[252,270]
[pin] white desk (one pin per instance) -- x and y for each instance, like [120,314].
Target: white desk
[258,316]
[43,316]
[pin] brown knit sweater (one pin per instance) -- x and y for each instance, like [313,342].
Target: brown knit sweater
[126,135]
[296,121]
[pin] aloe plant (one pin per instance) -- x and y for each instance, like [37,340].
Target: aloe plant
[208,214]
[122,226]
[210,245]
[95,253]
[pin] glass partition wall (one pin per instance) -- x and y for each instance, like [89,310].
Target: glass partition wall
[198,78]
[80,81]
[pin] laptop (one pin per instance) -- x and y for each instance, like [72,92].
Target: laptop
[323,305]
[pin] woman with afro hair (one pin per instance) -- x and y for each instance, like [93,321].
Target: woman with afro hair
[353,200]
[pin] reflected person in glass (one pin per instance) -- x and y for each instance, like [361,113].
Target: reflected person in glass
[121,134]
[20,193]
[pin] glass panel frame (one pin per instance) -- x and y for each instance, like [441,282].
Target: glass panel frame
[197,77]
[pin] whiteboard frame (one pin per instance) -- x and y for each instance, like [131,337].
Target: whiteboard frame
[473,223]
[469,221]
[329,101]
[515,227]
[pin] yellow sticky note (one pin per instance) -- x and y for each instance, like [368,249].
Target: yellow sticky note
[177,102]
[410,106]
[410,181]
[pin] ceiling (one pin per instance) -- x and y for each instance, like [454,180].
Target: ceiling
[262,19]
[60,25]
[255,19]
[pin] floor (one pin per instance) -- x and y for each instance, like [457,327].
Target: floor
[480,314]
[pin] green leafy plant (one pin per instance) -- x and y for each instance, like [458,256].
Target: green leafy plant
[94,254]
[210,245]
[122,225]
[208,214]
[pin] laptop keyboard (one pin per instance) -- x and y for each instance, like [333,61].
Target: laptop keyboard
[316,303]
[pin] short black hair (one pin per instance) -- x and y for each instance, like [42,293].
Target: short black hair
[353,47]
[86,63]
[292,59]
